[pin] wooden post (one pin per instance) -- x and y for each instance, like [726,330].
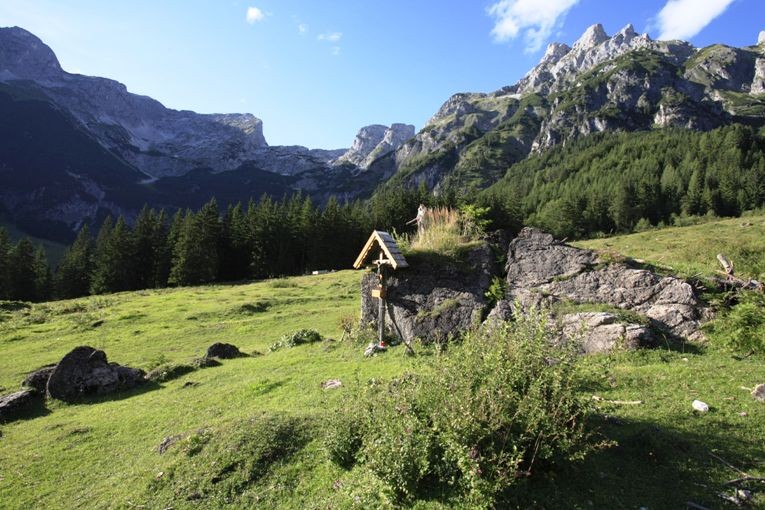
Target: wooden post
[381,302]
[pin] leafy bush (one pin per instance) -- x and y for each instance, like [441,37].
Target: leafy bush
[501,406]
[496,291]
[299,337]
[743,327]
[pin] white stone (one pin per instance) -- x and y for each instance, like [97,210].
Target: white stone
[700,406]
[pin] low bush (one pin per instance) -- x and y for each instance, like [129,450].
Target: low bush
[169,371]
[501,406]
[299,337]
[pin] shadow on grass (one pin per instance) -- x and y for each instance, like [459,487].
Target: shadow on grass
[117,396]
[649,466]
[35,409]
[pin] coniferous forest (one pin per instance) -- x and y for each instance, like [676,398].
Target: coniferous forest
[604,183]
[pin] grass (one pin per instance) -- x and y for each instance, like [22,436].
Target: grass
[103,453]
[693,249]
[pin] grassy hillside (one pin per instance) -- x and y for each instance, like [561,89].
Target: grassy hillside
[692,250]
[254,424]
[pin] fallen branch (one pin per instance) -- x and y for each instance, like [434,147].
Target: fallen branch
[743,479]
[596,398]
[691,504]
[734,468]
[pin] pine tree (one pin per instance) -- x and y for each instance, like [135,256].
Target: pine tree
[5,248]
[113,261]
[43,282]
[74,272]
[23,271]
[195,255]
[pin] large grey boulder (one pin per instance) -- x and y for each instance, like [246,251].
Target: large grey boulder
[599,332]
[15,403]
[541,271]
[435,298]
[85,371]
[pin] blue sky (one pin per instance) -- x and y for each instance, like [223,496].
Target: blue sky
[315,71]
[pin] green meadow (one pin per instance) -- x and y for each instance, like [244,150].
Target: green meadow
[261,418]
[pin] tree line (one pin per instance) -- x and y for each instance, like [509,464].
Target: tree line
[609,182]
[262,239]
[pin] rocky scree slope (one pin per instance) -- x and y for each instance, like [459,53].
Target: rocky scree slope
[626,81]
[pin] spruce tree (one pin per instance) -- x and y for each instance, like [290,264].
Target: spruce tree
[23,271]
[5,247]
[74,271]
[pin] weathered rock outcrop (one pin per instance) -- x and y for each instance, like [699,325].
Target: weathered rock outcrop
[597,332]
[224,351]
[541,271]
[375,141]
[38,380]
[435,298]
[16,403]
[85,371]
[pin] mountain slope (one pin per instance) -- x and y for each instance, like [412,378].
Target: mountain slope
[625,82]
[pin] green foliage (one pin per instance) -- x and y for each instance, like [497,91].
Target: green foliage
[742,328]
[610,181]
[495,410]
[496,291]
[299,337]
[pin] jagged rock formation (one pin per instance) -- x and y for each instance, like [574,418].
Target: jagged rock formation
[375,141]
[435,298]
[38,380]
[622,82]
[85,371]
[541,271]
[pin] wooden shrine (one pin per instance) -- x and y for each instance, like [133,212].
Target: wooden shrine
[383,245]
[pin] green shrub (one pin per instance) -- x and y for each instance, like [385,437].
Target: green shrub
[496,291]
[169,371]
[742,327]
[299,337]
[499,407]
[342,439]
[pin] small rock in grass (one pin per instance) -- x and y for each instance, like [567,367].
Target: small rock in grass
[190,384]
[331,384]
[743,414]
[700,406]
[205,362]
[759,393]
[16,403]
[224,351]
[168,442]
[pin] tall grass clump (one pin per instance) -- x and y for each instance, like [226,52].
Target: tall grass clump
[443,229]
[493,412]
[742,328]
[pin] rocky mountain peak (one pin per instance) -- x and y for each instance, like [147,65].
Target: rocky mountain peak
[25,56]
[761,38]
[591,37]
[555,51]
[375,141]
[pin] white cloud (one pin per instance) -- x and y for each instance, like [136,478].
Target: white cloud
[254,15]
[682,19]
[535,20]
[302,28]
[330,36]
